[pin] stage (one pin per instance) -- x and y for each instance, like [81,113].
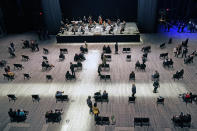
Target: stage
[131,34]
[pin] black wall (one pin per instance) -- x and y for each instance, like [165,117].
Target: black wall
[123,9]
[179,9]
[21,15]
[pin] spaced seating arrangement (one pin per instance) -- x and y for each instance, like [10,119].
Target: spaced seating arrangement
[105,66]
[126,50]
[163,55]
[188,60]
[62,98]
[9,77]
[3,63]
[26,76]
[160,100]
[141,121]
[101,98]
[25,58]
[105,77]
[63,50]
[11,97]
[44,58]
[162,45]
[35,98]
[178,75]
[16,117]
[18,66]
[54,116]
[146,49]
[128,58]
[108,57]
[182,121]
[132,99]
[49,77]
[78,66]
[100,120]
[45,51]
[61,57]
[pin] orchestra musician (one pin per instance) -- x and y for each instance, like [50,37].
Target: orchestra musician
[109,21]
[90,20]
[100,20]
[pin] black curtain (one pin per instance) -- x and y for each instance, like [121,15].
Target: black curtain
[21,15]
[113,9]
[147,14]
[52,15]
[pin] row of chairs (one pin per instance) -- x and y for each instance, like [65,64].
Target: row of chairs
[36,98]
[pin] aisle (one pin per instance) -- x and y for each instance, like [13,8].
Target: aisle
[77,116]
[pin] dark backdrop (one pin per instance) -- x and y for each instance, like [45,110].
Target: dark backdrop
[21,15]
[123,9]
[179,9]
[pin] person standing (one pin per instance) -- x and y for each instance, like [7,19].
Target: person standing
[72,68]
[116,48]
[89,102]
[133,90]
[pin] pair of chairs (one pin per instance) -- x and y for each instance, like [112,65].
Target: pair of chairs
[12,97]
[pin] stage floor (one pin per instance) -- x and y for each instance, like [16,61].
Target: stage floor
[131,34]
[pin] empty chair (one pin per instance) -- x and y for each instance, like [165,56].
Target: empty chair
[132,99]
[35,98]
[128,58]
[63,50]
[25,58]
[18,66]
[26,76]
[163,55]
[162,45]
[44,58]
[160,100]
[11,97]
[49,77]
[45,51]
[3,63]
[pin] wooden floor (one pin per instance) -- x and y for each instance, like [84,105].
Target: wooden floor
[76,115]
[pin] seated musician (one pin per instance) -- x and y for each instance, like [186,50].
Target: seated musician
[132,75]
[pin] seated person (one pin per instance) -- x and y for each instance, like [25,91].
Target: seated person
[155,85]
[105,94]
[156,75]
[132,76]
[104,49]
[137,64]
[143,66]
[46,64]
[7,69]
[81,56]
[108,49]
[144,59]
[68,75]
[76,57]
[59,93]
[26,44]
[62,56]
[11,113]
[82,49]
